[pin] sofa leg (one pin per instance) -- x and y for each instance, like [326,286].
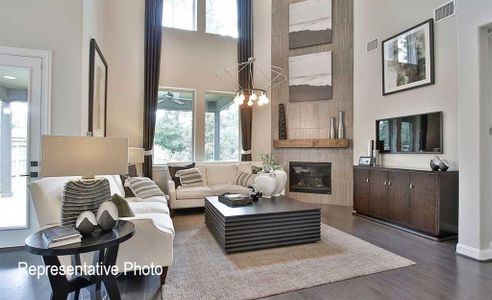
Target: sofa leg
[163,275]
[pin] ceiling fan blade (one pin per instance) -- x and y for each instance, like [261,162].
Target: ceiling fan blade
[177,101]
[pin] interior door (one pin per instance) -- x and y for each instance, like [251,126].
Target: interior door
[20,136]
[361,190]
[399,203]
[378,181]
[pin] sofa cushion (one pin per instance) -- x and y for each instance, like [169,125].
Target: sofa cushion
[221,173]
[149,199]
[124,209]
[143,187]
[148,207]
[128,191]
[190,177]
[173,169]
[161,221]
[195,192]
[222,188]
[244,179]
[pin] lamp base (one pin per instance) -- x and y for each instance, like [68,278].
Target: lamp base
[82,195]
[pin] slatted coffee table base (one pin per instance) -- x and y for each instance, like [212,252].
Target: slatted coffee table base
[266,230]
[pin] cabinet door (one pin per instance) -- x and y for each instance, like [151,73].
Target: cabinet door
[378,188]
[361,190]
[423,202]
[398,202]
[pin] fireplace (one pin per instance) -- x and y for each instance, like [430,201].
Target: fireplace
[310,177]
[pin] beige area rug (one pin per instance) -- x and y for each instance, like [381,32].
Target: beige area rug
[202,271]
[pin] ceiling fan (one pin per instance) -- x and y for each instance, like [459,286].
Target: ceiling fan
[170,97]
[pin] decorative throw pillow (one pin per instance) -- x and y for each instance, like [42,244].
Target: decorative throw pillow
[124,209]
[174,169]
[79,196]
[132,170]
[244,179]
[190,177]
[128,191]
[143,187]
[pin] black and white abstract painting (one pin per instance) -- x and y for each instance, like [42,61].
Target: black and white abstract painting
[310,77]
[309,23]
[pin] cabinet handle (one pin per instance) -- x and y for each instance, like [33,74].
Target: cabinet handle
[385,183]
[411,185]
[389,182]
[367,179]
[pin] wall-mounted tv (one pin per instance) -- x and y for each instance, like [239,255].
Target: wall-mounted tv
[410,134]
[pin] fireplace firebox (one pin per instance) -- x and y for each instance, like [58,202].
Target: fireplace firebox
[310,177]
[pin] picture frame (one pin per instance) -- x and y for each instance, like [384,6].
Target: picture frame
[408,59]
[366,161]
[310,23]
[310,77]
[98,91]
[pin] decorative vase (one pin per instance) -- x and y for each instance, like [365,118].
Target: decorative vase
[266,184]
[281,177]
[86,222]
[332,128]
[282,123]
[341,128]
[444,165]
[434,163]
[375,155]
[107,216]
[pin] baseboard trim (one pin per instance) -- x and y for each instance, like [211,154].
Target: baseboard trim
[474,253]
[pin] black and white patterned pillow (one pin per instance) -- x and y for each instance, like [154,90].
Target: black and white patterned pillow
[143,187]
[244,179]
[190,177]
[132,170]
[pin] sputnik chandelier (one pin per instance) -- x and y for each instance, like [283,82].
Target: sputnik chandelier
[252,94]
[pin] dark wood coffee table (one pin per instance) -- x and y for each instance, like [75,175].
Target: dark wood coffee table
[267,223]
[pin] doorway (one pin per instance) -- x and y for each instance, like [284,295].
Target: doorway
[24,99]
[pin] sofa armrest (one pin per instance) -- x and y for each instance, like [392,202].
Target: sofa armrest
[171,190]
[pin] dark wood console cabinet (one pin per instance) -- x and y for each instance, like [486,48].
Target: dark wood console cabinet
[424,202]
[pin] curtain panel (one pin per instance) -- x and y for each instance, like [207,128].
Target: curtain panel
[245,51]
[153,41]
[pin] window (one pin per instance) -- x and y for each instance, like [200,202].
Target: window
[221,17]
[173,139]
[179,14]
[221,127]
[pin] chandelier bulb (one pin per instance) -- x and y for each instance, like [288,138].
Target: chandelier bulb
[253,96]
[250,102]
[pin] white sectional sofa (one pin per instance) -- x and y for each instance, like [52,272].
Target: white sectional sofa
[153,240]
[218,179]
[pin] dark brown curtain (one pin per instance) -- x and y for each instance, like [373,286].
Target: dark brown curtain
[153,39]
[245,51]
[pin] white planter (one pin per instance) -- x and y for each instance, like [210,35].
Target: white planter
[266,183]
[281,177]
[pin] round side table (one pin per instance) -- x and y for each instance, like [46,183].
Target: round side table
[105,244]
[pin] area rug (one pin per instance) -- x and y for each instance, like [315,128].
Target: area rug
[202,271]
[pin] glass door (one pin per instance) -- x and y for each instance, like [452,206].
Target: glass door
[20,133]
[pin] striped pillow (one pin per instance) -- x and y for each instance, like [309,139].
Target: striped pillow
[244,179]
[143,187]
[190,177]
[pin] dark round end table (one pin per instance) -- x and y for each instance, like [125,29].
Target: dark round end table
[105,244]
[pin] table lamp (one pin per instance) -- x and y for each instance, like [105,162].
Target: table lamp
[85,157]
[135,161]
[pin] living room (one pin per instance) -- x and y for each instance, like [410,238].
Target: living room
[223,149]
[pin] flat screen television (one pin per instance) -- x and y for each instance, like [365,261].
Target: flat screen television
[410,134]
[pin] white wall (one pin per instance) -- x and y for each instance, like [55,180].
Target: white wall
[191,59]
[54,25]
[262,31]
[474,73]
[382,19]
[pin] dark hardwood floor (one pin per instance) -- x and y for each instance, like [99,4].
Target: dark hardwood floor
[438,274]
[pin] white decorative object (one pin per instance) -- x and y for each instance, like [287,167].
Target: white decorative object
[86,222]
[266,183]
[281,177]
[107,215]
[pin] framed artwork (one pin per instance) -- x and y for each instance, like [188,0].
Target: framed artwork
[366,161]
[408,59]
[310,77]
[309,23]
[98,85]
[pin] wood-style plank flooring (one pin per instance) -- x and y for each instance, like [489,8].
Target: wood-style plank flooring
[438,274]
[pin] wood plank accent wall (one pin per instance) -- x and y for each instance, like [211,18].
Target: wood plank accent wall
[311,119]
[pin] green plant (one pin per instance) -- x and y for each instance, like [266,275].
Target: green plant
[270,163]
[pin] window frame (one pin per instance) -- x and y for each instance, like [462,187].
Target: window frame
[238,126]
[195,21]
[214,33]
[193,123]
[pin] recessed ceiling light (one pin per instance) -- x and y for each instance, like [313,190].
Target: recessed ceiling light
[9,77]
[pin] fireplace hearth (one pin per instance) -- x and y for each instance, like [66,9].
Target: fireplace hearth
[310,177]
